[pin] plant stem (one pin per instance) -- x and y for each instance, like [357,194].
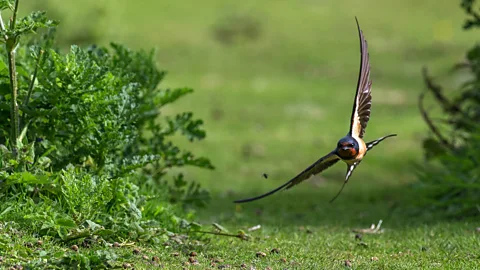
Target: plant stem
[14,88]
[13,20]
[32,81]
[31,85]
[10,45]
[2,26]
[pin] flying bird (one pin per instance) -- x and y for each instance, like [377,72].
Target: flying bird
[351,149]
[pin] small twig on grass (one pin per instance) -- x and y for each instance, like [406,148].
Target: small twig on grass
[240,235]
[74,236]
[372,230]
[254,228]
[376,229]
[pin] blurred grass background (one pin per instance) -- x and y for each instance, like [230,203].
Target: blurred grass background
[275,82]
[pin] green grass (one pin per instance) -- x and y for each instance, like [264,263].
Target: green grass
[277,103]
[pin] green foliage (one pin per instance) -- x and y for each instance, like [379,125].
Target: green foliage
[75,204]
[100,108]
[94,153]
[452,184]
[474,20]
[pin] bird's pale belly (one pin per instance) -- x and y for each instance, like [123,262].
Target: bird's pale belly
[362,149]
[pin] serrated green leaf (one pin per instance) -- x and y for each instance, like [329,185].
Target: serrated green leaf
[6,4]
[65,222]
[94,226]
[28,177]
[32,22]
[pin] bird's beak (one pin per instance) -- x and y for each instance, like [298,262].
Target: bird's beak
[345,148]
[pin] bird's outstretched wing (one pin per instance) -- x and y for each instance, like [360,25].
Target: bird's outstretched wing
[371,144]
[317,167]
[363,98]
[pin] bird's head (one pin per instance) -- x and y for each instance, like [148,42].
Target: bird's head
[347,147]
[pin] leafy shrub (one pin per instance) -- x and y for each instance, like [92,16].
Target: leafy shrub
[450,182]
[93,152]
[73,204]
[104,106]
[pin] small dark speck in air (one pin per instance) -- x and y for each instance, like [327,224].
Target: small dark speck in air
[265,175]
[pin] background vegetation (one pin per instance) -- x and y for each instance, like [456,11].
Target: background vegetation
[274,84]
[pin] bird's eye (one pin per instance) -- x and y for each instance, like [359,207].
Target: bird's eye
[351,145]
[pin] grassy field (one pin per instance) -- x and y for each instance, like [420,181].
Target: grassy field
[277,97]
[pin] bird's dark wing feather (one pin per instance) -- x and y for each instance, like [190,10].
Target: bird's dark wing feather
[363,98]
[317,167]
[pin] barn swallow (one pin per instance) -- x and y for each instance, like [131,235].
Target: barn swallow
[351,149]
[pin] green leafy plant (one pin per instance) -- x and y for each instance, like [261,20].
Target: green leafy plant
[10,36]
[452,182]
[94,151]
